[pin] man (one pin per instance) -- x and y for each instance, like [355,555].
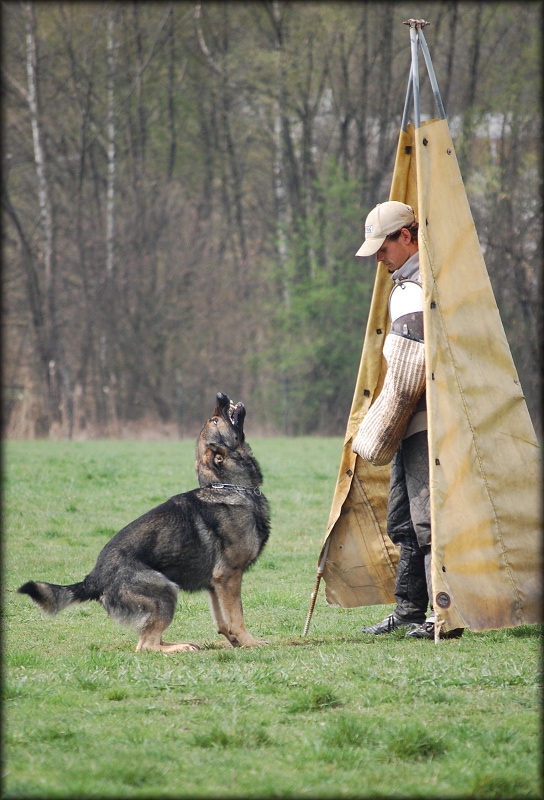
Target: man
[391,234]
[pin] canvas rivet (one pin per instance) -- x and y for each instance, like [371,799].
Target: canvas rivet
[425,142]
[443,569]
[378,330]
[437,462]
[349,472]
[433,304]
[366,392]
[449,152]
[443,600]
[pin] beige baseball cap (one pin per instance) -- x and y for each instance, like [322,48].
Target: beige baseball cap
[384,219]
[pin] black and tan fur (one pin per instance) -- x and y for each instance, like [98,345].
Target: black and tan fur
[203,539]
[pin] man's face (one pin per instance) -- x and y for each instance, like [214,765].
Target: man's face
[395,252]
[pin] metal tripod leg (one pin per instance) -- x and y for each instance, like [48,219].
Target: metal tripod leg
[432,76]
[415,75]
[418,39]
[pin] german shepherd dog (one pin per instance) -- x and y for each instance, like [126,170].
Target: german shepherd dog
[203,539]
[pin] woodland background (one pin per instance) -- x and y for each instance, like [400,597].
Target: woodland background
[184,187]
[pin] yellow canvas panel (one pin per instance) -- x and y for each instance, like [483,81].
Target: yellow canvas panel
[484,457]
[483,453]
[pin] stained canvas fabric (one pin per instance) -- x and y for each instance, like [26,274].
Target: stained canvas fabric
[484,458]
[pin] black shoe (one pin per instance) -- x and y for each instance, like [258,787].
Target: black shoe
[426,631]
[389,624]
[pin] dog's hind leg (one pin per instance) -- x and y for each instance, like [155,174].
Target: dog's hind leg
[146,601]
[226,606]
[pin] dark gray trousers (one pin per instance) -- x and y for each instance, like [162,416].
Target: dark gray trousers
[409,526]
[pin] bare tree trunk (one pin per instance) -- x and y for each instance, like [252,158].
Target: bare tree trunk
[110,203]
[281,237]
[282,217]
[141,144]
[55,372]
[341,91]
[280,193]
[281,209]
[361,110]
[454,11]
[314,199]
[466,138]
[108,381]
[34,294]
[171,97]
[82,94]
[232,182]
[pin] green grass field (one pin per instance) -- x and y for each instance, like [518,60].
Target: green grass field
[338,714]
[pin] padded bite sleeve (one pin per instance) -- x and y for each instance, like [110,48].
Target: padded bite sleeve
[384,424]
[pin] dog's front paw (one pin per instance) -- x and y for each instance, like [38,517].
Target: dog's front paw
[178,647]
[252,642]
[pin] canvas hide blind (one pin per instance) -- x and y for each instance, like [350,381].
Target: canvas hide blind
[483,454]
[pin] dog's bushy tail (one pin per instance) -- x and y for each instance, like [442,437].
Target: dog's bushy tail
[52,598]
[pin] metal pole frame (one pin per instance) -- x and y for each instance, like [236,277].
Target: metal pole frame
[432,76]
[406,112]
[414,43]
[417,39]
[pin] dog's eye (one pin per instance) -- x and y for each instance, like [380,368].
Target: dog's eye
[215,420]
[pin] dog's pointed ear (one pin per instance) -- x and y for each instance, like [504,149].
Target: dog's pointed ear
[218,455]
[215,452]
[208,465]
